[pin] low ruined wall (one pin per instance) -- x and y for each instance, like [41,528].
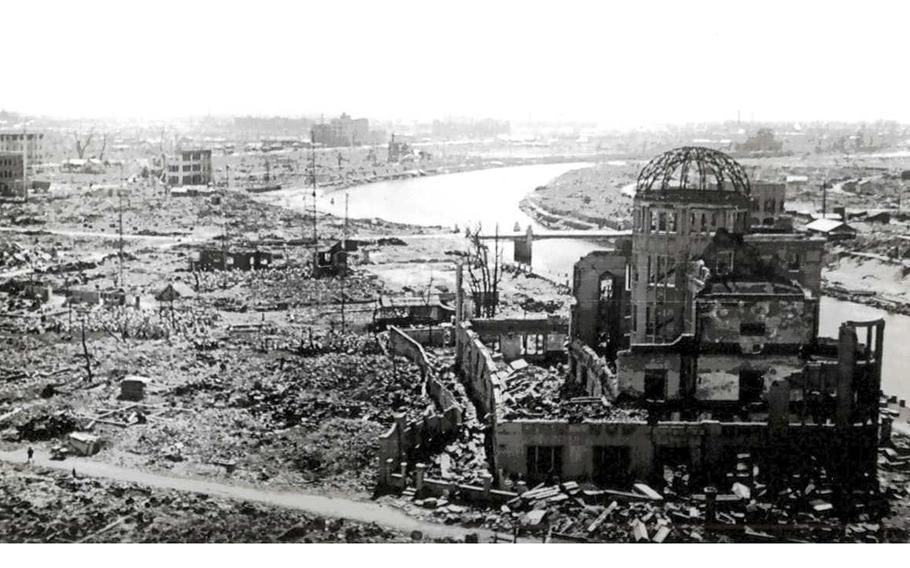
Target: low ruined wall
[402,344]
[400,476]
[442,422]
[591,371]
[475,362]
[441,336]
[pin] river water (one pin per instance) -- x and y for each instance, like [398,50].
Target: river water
[491,197]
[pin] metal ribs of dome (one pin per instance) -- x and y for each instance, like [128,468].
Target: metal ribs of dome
[693,168]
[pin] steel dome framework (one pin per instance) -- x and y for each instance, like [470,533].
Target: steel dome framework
[693,168]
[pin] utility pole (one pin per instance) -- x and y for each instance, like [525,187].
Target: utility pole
[344,249]
[120,207]
[313,169]
[345,239]
[25,163]
[825,196]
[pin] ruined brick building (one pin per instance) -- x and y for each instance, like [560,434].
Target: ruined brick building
[697,338]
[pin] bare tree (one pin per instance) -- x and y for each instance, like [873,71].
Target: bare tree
[484,273]
[83,145]
[103,146]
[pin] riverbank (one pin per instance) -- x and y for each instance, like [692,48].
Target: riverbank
[585,198]
[869,279]
[418,170]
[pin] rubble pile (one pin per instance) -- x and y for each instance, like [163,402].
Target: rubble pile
[747,509]
[127,322]
[309,344]
[311,390]
[14,255]
[47,426]
[108,511]
[290,287]
[340,446]
[532,392]
[464,460]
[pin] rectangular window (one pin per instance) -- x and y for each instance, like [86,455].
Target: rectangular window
[751,385]
[611,465]
[656,384]
[649,321]
[652,275]
[652,221]
[660,268]
[662,222]
[664,320]
[724,262]
[544,461]
[752,329]
[635,268]
[671,222]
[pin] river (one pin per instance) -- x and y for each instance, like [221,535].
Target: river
[492,196]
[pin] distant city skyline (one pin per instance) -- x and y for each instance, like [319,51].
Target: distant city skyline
[619,65]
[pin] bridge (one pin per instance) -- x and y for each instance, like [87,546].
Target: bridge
[524,240]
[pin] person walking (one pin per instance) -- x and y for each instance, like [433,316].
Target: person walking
[31,455]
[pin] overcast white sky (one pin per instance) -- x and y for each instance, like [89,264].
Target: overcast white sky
[618,63]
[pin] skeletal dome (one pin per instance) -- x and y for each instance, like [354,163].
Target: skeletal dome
[693,168]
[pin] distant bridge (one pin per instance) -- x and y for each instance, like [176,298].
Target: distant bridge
[524,239]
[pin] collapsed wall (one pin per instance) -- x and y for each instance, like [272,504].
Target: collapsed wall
[404,438]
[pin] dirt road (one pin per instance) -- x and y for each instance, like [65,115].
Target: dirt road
[336,507]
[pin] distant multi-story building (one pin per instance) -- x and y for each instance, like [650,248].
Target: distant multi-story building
[342,131]
[32,142]
[11,173]
[190,167]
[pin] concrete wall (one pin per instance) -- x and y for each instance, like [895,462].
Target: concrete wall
[717,377]
[445,421]
[799,256]
[591,371]
[787,322]
[632,364]
[441,336]
[475,362]
[707,444]
[588,318]
[533,339]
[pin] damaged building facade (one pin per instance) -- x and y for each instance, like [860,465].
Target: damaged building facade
[689,343]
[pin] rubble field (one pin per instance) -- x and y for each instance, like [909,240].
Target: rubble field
[745,509]
[97,510]
[307,415]
[537,393]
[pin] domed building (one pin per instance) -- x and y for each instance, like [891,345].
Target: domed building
[705,321]
[683,197]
